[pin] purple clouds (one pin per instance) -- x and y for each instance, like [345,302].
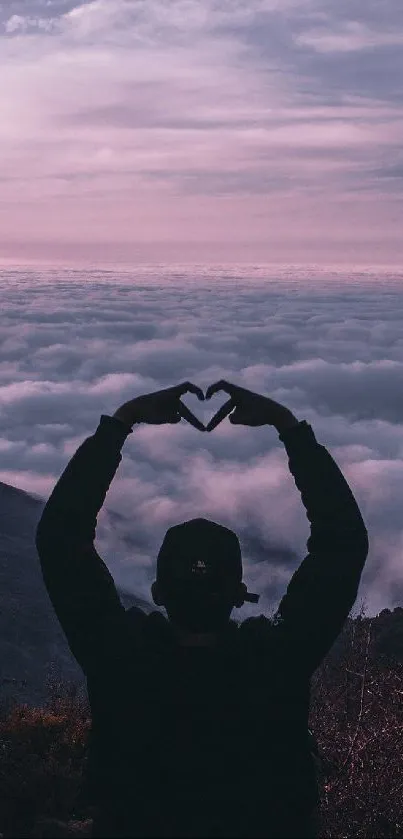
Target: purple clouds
[201,131]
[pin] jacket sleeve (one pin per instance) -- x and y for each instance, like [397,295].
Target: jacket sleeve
[78,582]
[324,588]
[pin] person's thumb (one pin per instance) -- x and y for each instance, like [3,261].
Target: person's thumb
[237,417]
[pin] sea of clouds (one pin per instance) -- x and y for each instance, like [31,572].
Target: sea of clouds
[329,345]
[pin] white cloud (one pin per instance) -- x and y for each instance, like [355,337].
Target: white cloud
[18,24]
[15,23]
[352,36]
[158,17]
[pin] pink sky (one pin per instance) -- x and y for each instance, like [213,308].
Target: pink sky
[201,130]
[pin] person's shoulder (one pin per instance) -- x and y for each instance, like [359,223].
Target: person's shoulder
[135,616]
[147,629]
[264,637]
[256,630]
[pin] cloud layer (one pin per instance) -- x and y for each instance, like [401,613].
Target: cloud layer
[199,129]
[327,345]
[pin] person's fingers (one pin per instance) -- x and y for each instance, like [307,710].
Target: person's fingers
[221,385]
[221,414]
[187,415]
[240,419]
[188,387]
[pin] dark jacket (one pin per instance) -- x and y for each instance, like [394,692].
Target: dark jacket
[200,741]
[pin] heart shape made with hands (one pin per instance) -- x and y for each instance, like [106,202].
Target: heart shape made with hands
[197,419]
[218,417]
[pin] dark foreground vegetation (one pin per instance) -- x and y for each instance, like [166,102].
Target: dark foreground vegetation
[356,715]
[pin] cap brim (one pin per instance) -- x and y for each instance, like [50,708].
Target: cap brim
[251,598]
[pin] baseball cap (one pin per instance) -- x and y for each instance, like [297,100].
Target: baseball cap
[201,550]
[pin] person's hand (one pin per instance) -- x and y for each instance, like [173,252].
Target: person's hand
[250,408]
[160,407]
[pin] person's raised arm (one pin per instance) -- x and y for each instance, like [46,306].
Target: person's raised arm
[324,588]
[79,585]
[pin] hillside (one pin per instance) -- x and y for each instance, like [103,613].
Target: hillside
[32,644]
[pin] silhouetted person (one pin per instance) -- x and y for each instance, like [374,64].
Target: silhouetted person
[200,726]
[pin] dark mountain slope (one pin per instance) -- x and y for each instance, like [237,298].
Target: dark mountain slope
[31,640]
